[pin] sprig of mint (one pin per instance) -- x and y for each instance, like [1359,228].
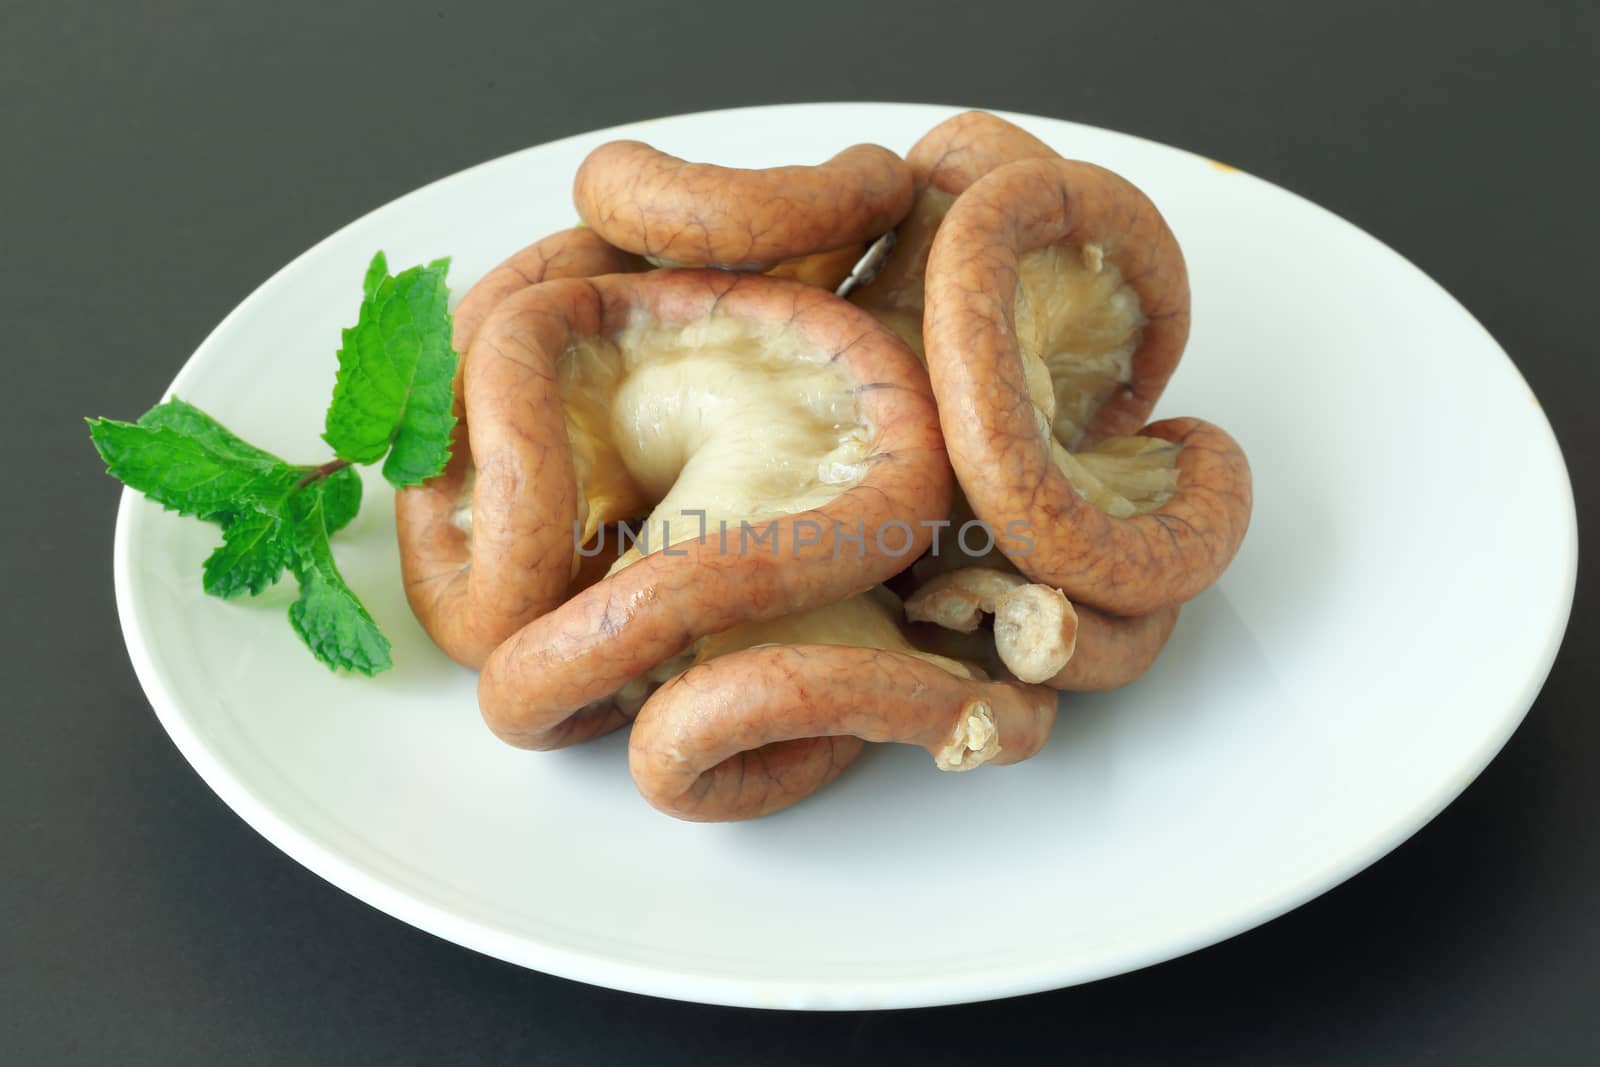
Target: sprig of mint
[392,398]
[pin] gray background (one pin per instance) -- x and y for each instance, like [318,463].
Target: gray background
[161,159]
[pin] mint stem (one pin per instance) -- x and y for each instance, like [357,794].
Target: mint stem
[333,466]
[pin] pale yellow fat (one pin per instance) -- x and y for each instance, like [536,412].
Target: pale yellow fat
[974,741]
[869,620]
[1079,323]
[823,270]
[1122,476]
[743,422]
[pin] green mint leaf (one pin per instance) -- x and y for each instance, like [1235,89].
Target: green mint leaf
[203,475]
[377,271]
[256,545]
[253,553]
[392,396]
[393,392]
[184,417]
[341,498]
[328,616]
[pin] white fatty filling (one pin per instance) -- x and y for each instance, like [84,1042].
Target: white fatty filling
[868,620]
[1122,476]
[1078,325]
[740,421]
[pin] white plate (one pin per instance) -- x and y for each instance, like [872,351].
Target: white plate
[1395,608]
